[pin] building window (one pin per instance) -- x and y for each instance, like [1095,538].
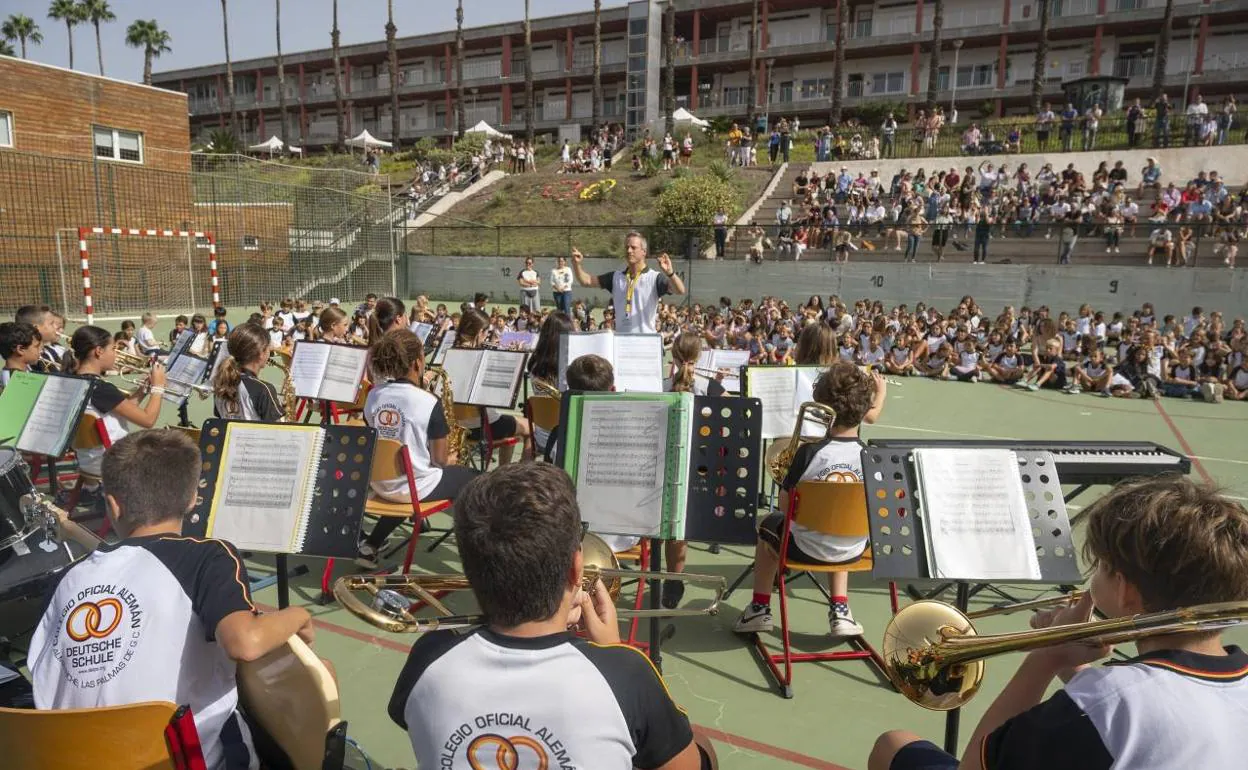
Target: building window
[251,243]
[113,144]
[6,129]
[888,82]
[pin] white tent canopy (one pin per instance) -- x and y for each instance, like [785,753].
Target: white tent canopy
[271,146]
[485,128]
[682,115]
[367,141]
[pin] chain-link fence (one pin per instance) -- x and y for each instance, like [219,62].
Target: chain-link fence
[281,231]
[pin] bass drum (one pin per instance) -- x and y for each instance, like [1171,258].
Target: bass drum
[16,526]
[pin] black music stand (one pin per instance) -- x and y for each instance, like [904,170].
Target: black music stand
[898,536]
[338,498]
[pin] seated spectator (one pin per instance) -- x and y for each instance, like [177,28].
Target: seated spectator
[1161,243]
[1150,176]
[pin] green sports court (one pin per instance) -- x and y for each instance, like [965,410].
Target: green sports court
[838,708]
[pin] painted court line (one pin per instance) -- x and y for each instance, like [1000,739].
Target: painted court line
[1187,448]
[732,739]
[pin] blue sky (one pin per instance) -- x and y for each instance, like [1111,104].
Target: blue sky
[196,27]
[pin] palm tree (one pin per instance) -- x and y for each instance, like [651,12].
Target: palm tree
[838,65]
[96,11]
[21,27]
[229,69]
[69,12]
[596,119]
[528,77]
[1039,68]
[933,64]
[669,66]
[1163,52]
[281,77]
[752,89]
[392,51]
[152,39]
[6,48]
[341,109]
[459,69]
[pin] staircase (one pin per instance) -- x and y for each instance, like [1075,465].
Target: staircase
[766,212]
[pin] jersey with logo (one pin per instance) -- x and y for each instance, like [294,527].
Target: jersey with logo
[483,700]
[635,314]
[832,459]
[135,621]
[256,402]
[105,397]
[401,411]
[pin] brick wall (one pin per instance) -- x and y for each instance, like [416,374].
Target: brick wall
[55,109]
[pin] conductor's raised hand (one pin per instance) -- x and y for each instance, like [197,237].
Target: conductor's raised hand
[665,262]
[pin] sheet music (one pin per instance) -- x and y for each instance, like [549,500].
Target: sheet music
[574,345]
[51,421]
[222,354]
[496,378]
[805,391]
[621,466]
[447,343]
[185,369]
[775,387]
[638,363]
[975,515]
[180,345]
[264,486]
[307,369]
[461,366]
[421,329]
[731,360]
[344,369]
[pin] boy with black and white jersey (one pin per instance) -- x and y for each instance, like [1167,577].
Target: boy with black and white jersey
[157,616]
[522,685]
[856,397]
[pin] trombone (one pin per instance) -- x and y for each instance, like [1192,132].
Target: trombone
[934,656]
[1034,604]
[389,602]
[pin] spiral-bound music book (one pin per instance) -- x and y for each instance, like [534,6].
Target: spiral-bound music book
[629,456]
[281,488]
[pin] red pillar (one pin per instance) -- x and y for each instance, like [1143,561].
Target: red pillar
[1001,61]
[693,88]
[567,98]
[1095,69]
[697,32]
[506,63]
[762,44]
[567,53]
[1101,7]
[1201,35]
[914,52]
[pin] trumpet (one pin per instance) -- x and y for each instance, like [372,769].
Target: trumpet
[129,362]
[201,389]
[935,658]
[711,374]
[780,456]
[543,388]
[389,603]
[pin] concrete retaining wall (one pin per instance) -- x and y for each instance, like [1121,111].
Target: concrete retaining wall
[1062,288]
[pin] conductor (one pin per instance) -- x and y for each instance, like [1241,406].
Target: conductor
[636,289]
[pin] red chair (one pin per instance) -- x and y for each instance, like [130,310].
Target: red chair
[391,460]
[542,412]
[484,449]
[831,508]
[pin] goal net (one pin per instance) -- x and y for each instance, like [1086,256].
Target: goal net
[116,272]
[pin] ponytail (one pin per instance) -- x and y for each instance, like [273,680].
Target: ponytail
[226,384]
[685,351]
[385,313]
[245,345]
[86,340]
[394,355]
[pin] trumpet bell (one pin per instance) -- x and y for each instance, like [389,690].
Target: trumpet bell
[913,659]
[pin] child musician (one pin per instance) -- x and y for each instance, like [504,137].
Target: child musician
[238,392]
[400,409]
[333,326]
[49,325]
[157,616]
[857,397]
[473,327]
[91,354]
[585,702]
[1156,544]
[21,346]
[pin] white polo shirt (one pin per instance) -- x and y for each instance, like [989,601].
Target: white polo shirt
[637,316]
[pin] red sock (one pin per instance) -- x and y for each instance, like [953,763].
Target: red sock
[763,599]
[840,600]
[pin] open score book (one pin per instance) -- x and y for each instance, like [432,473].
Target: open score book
[629,455]
[484,377]
[39,413]
[325,371]
[637,359]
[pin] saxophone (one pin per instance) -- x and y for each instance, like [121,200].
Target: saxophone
[780,456]
[290,402]
[439,384]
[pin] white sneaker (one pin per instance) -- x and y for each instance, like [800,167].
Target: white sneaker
[1106,249]
[1033,387]
[756,618]
[1074,390]
[842,625]
[1116,251]
[974,378]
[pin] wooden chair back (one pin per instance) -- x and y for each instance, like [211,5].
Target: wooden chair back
[293,696]
[109,738]
[835,508]
[387,460]
[89,434]
[544,411]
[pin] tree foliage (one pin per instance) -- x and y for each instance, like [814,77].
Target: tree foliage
[687,207]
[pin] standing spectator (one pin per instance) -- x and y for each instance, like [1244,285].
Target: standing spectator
[1068,238]
[785,139]
[1226,117]
[561,285]
[1091,124]
[1044,124]
[1196,112]
[889,133]
[721,232]
[530,286]
[1135,123]
[983,228]
[773,145]
[1067,130]
[1161,121]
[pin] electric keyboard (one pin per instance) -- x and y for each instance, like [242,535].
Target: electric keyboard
[1078,462]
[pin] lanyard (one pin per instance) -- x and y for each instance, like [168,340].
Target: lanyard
[629,289]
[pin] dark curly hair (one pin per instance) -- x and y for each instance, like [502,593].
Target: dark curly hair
[848,390]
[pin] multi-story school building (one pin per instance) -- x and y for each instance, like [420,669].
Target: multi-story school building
[886,58]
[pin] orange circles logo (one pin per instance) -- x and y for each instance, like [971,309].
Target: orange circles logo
[93,620]
[506,753]
[388,418]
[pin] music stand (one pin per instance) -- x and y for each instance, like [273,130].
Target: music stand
[898,537]
[341,488]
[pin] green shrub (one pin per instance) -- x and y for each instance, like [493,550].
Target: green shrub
[721,171]
[651,167]
[680,172]
[686,207]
